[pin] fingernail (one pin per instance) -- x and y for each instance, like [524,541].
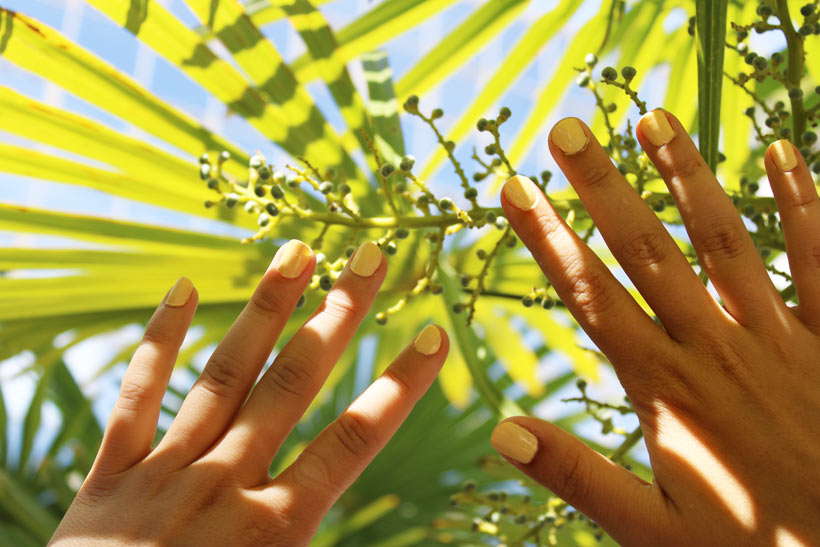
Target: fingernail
[783,154]
[428,341]
[366,260]
[656,128]
[515,442]
[291,258]
[179,293]
[569,136]
[520,191]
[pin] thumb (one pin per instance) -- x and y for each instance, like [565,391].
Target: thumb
[624,505]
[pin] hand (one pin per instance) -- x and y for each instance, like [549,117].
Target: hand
[728,397]
[207,482]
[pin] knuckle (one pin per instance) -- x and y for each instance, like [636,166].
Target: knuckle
[722,240]
[157,335]
[812,255]
[289,377]
[133,395]
[573,478]
[643,249]
[222,375]
[312,472]
[802,200]
[588,291]
[356,434]
[596,175]
[402,378]
[266,301]
[340,304]
[686,168]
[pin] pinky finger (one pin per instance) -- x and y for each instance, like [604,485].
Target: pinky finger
[133,421]
[340,453]
[799,207]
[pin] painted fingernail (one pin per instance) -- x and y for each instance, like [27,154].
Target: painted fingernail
[179,293]
[657,129]
[783,154]
[520,191]
[569,136]
[291,258]
[515,442]
[366,260]
[428,341]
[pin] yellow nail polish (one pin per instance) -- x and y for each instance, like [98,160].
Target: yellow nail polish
[656,127]
[569,136]
[520,191]
[367,259]
[291,258]
[428,341]
[515,442]
[179,293]
[783,155]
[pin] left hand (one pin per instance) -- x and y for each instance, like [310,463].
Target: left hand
[207,481]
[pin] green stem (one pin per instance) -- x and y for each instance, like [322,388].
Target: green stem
[630,441]
[794,43]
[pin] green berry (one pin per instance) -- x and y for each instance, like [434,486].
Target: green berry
[481,124]
[213,184]
[470,193]
[344,189]
[391,248]
[263,219]
[250,207]
[628,72]
[816,168]
[481,254]
[581,383]
[277,192]
[490,149]
[449,146]
[807,10]
[527,301]
[547,303]
[501,223]
[609,74]
[761,63]
[622,167]
[504,112]
[259,191]
[764,10]
[205,171]
[264,172]
[325,282]
[777,58]
[436,114]
[402,233]
[805,30]
[458,307]
[381,318]
[349,250]
[795,93]
[292,181]
[465,280]
[591,60]
[478,177]
[231,200]
[490,217]
[271,209]
[750,111]
[326,187]
[301,302]
[279,177]
[423,199]
[435,288]
[659,206]
[407,163]
[582,80]
[257,161]
[387,170]
[203,159]
[749,59]
[208,204]
[753,188]
[809,137]
[445,204]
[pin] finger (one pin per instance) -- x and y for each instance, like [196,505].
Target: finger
[723,245]
[628,508]
[632,231]
[133,421]
[292,381]
[799,208]
[330,464]
[601,305]
[231,371]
